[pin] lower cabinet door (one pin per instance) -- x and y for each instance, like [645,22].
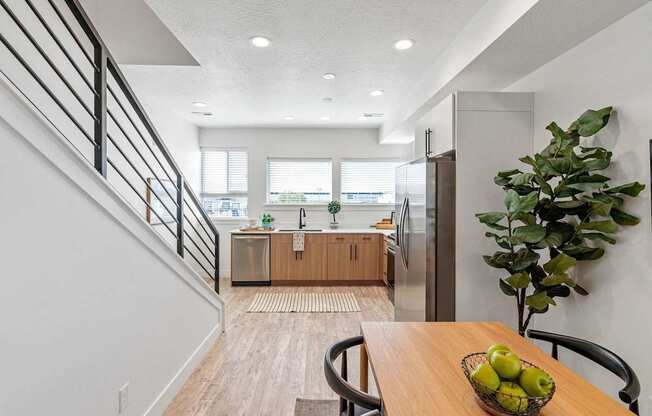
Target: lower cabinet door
[366,261]
[340,261]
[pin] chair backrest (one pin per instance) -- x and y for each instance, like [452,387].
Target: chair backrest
[339,383]
[600,355]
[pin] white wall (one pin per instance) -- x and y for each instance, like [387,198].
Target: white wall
[611,68]
[336,144]
[91,298]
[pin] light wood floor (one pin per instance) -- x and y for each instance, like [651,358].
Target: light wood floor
[265,361]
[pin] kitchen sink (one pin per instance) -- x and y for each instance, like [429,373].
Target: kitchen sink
[305,230]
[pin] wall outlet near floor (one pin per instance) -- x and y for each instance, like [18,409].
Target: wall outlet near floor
[123,398]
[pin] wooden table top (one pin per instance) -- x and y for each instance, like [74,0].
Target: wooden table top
[417,369]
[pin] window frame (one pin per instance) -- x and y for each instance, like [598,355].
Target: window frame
[397,161]
[239,194]
[270,203]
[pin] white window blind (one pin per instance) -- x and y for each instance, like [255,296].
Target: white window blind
[224,182]
[368,181]
[297,181]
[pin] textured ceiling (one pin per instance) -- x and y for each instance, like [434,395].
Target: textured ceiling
[246,86]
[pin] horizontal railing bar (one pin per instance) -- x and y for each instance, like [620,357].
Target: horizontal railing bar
[124,133]
[38,79]
[63,49]
[197,232]
[198,262]
[73,35]
[133,123]
[42,113]
[197,246]
[120,79]
[110,162]
[47,59]
[208,234]
[140,176]
[198,204]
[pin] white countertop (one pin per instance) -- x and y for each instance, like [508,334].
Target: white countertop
[323,231]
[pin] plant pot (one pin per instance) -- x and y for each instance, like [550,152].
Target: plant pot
[334,225]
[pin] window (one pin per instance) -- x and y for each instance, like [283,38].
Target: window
[368,181]
[298,181]
[224,182]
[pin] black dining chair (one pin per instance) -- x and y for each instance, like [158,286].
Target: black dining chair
[353,402]
[600,355]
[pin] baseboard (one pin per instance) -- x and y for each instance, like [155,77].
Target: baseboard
[328,283]
[170,391]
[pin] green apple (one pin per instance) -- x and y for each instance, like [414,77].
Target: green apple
[506,363]
[494,348]
[486,376]
[535,382]
[512,397]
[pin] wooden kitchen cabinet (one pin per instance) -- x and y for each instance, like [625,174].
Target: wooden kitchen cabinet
[353,257]
[336,257]
[290,265]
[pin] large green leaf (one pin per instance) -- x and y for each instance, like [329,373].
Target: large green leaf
[539,301]
[623,218]
[512,201]
[517,205]
[573,203]
[558,279]
[501,240]
[561,164]
[545,186]
[599,207]
[508,173]
[519,280]
[528,160]
[523,259]
[585,186]
[583,252]
[549,211]
[629,189]
[614,200]
[580,290]
[506,288]
[521,179]
[606,226]
[500,260]
[598,236]
[591,122]
[530,233]
[597,164]
[492,219]
[560,264]
[558,291]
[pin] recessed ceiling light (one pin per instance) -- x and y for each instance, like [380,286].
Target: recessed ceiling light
[328,76]
[200,104]
[260,41]
[288,118]
[404,44]
[325,118]
[376,93]
[202,113]
[327,99]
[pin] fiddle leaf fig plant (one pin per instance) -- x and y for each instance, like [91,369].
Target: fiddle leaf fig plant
[559,205]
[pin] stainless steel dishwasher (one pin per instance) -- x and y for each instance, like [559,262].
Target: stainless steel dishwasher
[250,259]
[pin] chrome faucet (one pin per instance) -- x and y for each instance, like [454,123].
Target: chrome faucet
[302,215]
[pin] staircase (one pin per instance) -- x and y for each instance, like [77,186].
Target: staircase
[57,61]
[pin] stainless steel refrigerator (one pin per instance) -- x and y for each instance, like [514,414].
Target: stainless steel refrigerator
[425,268]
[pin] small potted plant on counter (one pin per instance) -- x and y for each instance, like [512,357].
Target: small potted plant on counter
[267,221]
[333,208]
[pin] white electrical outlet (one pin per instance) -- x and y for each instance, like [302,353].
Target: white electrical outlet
[123,398]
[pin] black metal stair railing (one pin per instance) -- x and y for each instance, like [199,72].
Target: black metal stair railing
[55,57]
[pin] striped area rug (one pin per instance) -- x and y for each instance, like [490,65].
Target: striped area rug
[304,302]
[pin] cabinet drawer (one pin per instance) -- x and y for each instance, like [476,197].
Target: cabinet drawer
[341,238]
[367,238]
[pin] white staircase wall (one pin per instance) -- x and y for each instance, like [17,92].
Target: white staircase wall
[90,297]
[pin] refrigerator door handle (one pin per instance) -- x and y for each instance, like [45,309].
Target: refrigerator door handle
[404,243]
[398,224]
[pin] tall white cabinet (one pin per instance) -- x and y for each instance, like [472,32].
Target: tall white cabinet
[488,131]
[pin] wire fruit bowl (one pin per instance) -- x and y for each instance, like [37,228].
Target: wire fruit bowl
[488,399]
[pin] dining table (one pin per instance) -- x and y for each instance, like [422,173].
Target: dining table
[417,370]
